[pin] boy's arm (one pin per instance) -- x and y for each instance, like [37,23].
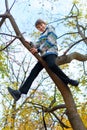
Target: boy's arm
[51,34]
[33,49]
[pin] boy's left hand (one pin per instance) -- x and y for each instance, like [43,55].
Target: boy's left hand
[33,50]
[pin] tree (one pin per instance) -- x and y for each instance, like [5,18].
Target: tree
[72,114]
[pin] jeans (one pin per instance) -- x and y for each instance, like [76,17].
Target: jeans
[50,60]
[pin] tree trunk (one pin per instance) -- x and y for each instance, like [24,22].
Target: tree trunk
[72,114]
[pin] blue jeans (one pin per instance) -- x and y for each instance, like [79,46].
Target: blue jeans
[50,60]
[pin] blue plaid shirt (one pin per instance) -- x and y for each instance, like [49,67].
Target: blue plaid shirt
[47,42]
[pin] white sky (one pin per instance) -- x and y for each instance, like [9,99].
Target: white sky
[33,12]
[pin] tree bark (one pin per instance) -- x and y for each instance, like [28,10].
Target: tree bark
[68,58]
[72,114]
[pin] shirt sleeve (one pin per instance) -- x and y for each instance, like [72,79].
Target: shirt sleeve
[37,45]
[51,34]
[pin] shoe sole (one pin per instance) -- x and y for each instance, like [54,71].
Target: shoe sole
[12,94]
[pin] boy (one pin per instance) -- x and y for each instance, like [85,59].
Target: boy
[47,47]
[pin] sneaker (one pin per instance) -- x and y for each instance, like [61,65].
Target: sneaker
[16,94]
[73,82]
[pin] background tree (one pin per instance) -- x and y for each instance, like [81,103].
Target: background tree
[41,108]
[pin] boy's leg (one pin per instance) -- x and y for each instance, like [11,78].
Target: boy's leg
[34,72]
[16,94]
[50,59]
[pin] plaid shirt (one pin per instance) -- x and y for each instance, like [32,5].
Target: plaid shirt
[47,42]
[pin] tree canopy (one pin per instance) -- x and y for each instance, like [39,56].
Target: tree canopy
[43,109]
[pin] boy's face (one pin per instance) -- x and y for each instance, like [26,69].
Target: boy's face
[41,27]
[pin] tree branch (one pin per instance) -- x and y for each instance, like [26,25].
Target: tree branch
[74,45]
[68,58]
[61,123]
[8,44]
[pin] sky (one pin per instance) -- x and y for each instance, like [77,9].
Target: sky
[34,10]
[26,13]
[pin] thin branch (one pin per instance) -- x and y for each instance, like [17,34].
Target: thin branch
[44,120]
[61,123]
[54,99]
[74,45]
[71,11]
[2,21]
[8,44]
[12,5]
[6,5]
[84,68]
[67,34]
[10,35]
